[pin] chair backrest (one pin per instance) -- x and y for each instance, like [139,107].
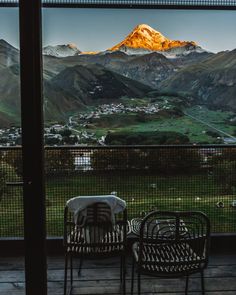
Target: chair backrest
[180,239]
[96,226]
[98,214]
[96,222]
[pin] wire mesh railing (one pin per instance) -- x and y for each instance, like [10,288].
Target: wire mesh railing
[148,178]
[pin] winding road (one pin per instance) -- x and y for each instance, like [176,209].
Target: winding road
[209,125]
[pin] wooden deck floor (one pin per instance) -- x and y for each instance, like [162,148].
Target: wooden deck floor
[102,277]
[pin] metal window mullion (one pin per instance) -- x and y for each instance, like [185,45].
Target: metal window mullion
[32,147]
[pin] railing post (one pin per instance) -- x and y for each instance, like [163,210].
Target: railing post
[32,147]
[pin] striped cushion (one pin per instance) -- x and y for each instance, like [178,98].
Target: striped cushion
[80,241]
[173,258]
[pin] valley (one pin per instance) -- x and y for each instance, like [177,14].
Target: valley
[214,128]
[91,126]
[146,84]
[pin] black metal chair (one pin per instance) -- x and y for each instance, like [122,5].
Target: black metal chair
[94,236]
[172,245]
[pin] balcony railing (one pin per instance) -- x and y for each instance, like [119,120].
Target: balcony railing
[156,177]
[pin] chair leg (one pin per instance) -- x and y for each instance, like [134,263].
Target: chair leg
[186,285]
[202,282]
[139,283]
[132,278]
[71,270]
[121,269]
[80,266]
[124,274]
[65,274]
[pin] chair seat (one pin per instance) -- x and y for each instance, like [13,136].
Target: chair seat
[79,242]
[168,259]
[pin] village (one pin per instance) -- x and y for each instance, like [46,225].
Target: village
[74,132]
[80,128]
[109,109]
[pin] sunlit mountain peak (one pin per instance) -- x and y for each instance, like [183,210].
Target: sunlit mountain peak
[72,46]
[145,37]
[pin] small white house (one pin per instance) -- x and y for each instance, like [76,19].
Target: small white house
[83,163]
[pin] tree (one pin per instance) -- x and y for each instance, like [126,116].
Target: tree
[7,174]
[223,163]
[59,162]
[117,159]
[225,174]
[109,159]
[146,138]
[14,159]
[174,160]
[65,132]
[159,160]
[226,154]
[72,139]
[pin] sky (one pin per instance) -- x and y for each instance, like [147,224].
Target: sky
[100,29]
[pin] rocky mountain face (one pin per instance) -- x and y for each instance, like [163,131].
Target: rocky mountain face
[9,95]
[9,55]
[68,86]
[212,82]
[92,83]
[191,58]
[57,103]
[149,69]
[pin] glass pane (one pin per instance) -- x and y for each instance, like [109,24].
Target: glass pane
[112,79]
[160,77]
[11,197]
[10,125]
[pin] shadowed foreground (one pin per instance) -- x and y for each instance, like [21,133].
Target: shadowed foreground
[102,277]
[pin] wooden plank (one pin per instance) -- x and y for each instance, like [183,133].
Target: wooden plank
[102,277]
[216,259]
[108,274]
[57,262]
[11,263]
[222,259]
[161,286]
[57,289]
[12,289]
[149,285]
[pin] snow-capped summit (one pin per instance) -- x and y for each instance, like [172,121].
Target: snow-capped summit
[61,50]
[144,38]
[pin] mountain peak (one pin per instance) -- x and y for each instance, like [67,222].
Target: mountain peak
[72,46]
[4,43]
[145,37]
[143,26]
[61,50]
[148,31]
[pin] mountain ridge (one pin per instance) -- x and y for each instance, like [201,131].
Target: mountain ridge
[211,82]
[61,50]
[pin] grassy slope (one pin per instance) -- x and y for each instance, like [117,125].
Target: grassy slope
[215,118]
[193,129]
